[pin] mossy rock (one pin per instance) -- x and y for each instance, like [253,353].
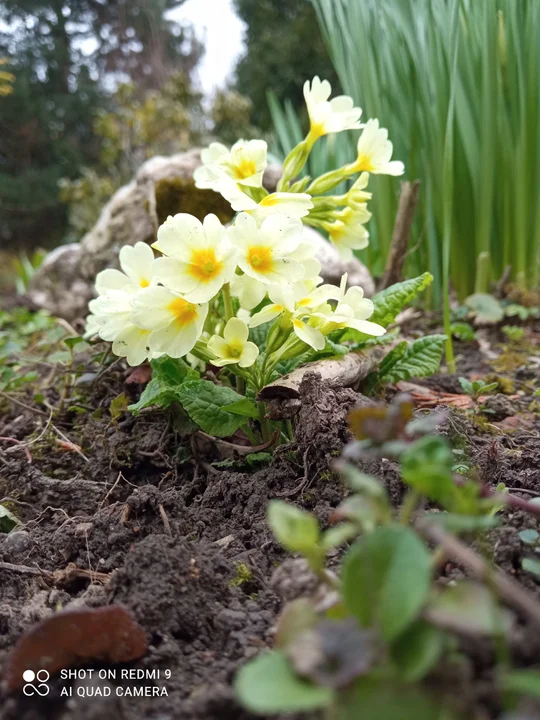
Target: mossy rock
[175,195]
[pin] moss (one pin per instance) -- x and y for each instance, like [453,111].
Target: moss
[506,385]
[242,577]
[174,195]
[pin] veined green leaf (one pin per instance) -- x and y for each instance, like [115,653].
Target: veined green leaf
[162,390]
[422,358]
[205,404]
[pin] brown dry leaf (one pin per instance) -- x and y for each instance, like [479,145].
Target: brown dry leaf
[109,634]
[69,446]
[141,375]
[424,397]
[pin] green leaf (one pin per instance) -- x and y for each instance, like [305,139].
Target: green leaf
[457,524]
[205,404]
[118,406]
[162,390]
[336,536]
[523,682]
[468,607]
[258,459]
[386,579]
[466,385]
[421,359]
[462,331]
[529,537]
[418,650]
[295,529]
[426,466]
[532,566]
[244,407]
[485,308]
[385,699]
[7,520]
[269,685]
[391,301]
[361,482]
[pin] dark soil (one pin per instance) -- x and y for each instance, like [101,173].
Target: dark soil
[186,544]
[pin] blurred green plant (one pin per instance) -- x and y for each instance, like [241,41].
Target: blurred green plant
[6,79]
[26,266]
[477,156]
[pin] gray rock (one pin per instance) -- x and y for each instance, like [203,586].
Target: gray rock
[17,542]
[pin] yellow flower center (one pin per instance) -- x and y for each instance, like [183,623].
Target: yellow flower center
[244,169]
[364,164]
[185,313]
[144,283]
[304,302]
[317,130]
[270,201]
[260,258]
[234,351]
[204,265]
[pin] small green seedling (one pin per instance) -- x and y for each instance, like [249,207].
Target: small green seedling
[476,388]
[514,333]
[385,624]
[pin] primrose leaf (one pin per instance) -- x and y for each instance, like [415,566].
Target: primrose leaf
[162,390]
[295,529]
[485,308]
[336,536]
[426,466]
[532,566]
[523,682]
[462,331]
[469,607]
[7,520]
[529,537]
[269,685]
[205,404]
[422,358]
[375,698]
[386,579]
[418,650]
[244,407]
[391,301]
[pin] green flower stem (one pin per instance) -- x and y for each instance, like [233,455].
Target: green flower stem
[266,430]
[227,301]
[409,507]
[240,385]
[290,430]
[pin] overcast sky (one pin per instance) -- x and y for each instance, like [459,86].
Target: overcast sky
[221,30]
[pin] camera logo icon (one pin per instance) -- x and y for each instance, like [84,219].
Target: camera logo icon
[36,683]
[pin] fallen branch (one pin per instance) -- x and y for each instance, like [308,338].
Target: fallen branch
[512,593]
[402,231]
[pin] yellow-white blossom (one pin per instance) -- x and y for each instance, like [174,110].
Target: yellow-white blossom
[175,323]
[295,303]
[352,311]
[293,205]
[347,232]
[249,291]
[234,346]
[244,163]
[357,196]
[199,257]
[328,116]
[272,253]
[137,268]
[374,152]
[111,319]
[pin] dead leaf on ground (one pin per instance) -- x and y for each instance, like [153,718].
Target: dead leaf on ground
[110,634]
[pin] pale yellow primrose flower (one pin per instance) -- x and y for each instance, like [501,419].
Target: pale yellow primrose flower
[137,265]
[111,319]
[272,253]
[199,257]
[375,152]
[293,205]
[176,324]
[295,303]
[347,232]
[352,311]
[329,116]
[245,163]
[357,197]
[249,291]
[234,346]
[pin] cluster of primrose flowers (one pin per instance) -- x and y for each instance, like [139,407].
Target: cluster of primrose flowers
[211,283]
